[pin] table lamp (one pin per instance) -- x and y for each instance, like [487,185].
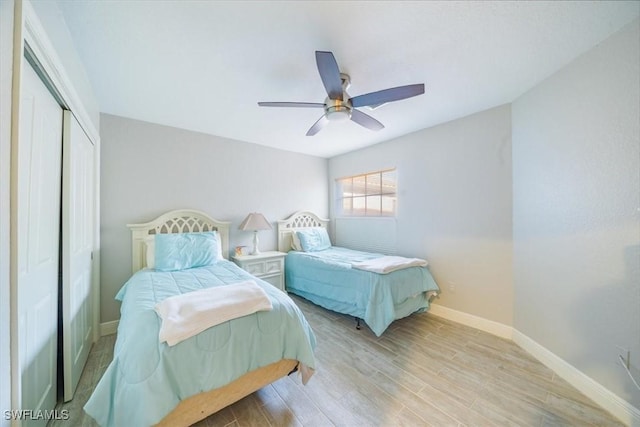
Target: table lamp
[255,222]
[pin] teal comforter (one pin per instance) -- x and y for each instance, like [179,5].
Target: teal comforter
[147,379]
[326,278]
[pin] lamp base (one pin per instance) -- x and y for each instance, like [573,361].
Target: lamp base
[255,250]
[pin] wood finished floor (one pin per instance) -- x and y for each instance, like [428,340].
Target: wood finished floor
[423,371]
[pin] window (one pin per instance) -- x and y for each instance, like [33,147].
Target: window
[369,194]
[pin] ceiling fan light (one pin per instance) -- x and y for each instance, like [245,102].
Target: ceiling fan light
[338,114]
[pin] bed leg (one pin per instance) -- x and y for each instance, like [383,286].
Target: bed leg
[295,369]
[357,323]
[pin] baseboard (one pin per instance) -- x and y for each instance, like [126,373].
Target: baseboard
[109,328]
[617,406]
[608,400]
[489,326]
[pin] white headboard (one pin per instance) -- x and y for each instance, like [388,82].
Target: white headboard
[297,221]
[178,221]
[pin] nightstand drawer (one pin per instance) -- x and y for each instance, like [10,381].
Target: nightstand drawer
[255,268]
[274,266]
[259,268]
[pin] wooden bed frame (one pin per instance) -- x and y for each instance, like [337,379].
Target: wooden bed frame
[200,406]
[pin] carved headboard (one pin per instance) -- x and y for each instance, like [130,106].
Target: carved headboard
[178,221]
[297,221]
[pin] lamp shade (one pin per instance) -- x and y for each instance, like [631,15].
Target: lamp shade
[255,221]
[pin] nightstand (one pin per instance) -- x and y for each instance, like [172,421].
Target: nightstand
[268,266]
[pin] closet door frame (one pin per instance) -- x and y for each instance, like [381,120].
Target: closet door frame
[30,39]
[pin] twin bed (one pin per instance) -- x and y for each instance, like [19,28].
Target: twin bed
[376,288]
[150,382]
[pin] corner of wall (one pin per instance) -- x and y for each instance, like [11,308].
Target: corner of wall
[617,406]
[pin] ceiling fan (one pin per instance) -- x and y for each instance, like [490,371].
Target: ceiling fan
[339,106]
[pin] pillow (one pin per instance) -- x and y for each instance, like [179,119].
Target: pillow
[295,242]
[185,250]
[151,253]
[150,246]
[314,239]
[219,246]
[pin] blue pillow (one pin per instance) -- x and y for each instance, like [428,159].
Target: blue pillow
[314,239]
[185,250]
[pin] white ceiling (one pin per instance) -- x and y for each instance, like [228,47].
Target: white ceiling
[204,65]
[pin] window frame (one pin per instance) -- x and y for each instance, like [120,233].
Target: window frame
[367,194]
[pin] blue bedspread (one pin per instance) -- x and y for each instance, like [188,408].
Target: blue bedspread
[327,279]
[146,379]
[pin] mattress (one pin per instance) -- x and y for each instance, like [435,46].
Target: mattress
[327,278]
[147,379]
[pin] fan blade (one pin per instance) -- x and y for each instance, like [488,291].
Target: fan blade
[322,121]
[330,74]
[291,104]
[387,95]
[365,120]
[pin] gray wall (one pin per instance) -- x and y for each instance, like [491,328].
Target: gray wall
[454,206]
[576,185]
[148,169]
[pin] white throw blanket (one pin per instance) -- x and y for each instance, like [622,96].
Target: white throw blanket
[186,315]
[387,264]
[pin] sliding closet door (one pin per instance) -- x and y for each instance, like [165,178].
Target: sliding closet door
[77,251]
[37,196]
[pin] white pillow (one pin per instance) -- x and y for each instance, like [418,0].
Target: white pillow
[295,242]
[219,242]
[150,244]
